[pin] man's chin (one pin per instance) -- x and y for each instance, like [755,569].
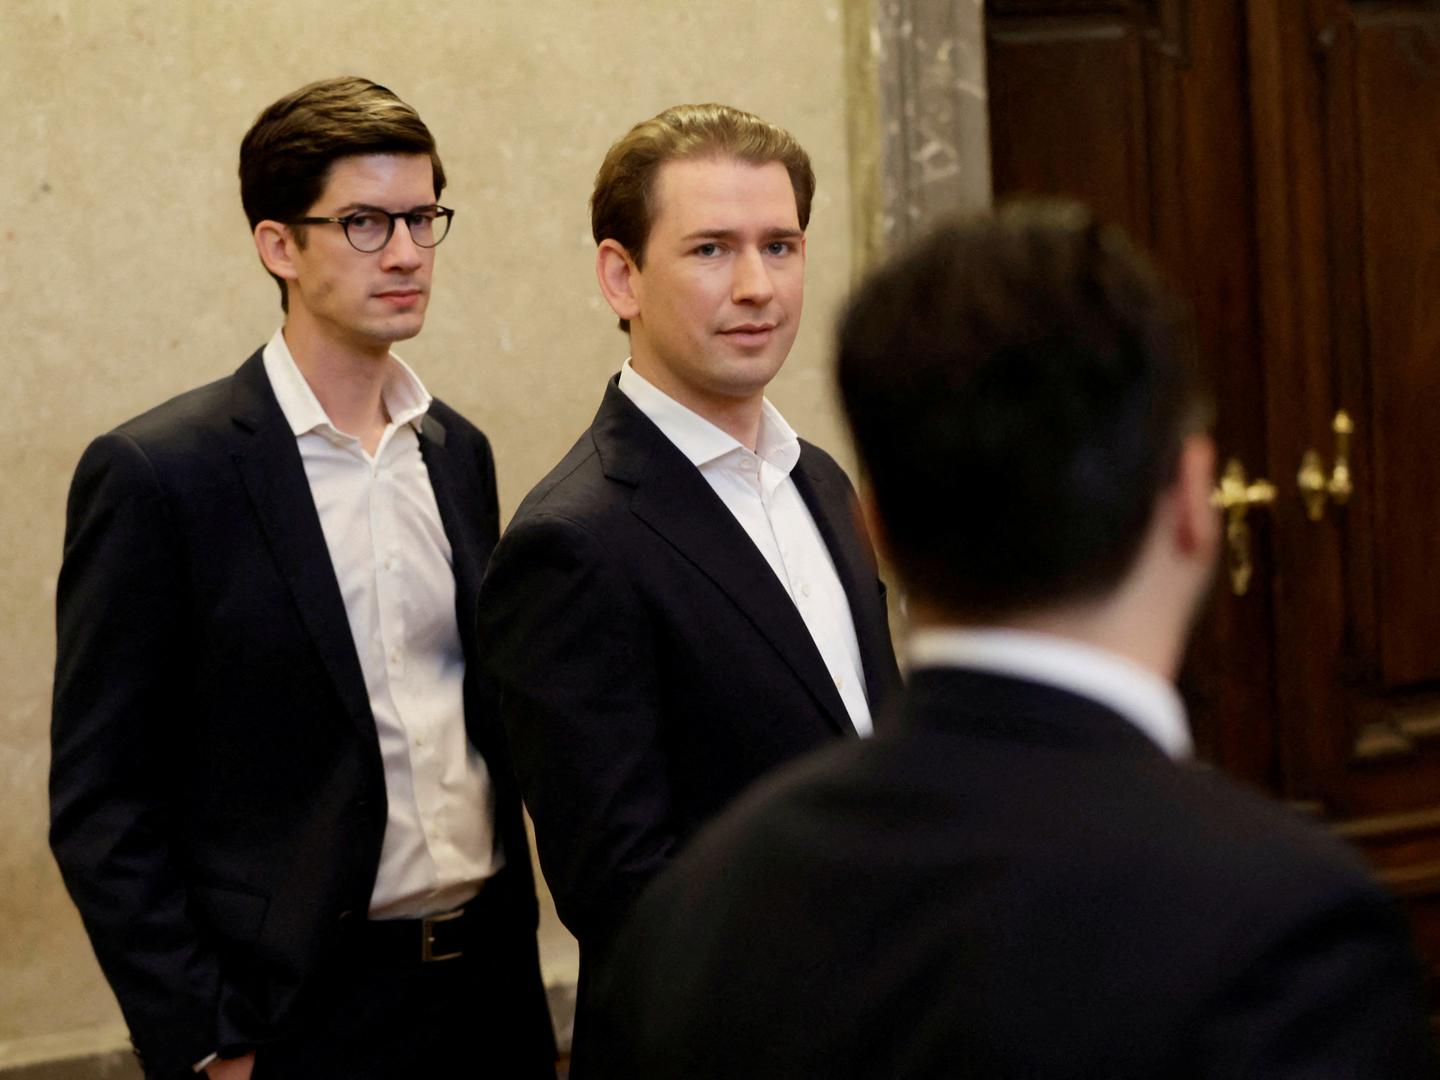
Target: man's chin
[747,374]
[399,329]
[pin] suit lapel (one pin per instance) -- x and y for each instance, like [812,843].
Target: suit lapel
[270,465]
[832,507]
[459,528]
[673,499]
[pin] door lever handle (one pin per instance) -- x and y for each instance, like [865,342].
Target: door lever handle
[1316,485]
[1236,495]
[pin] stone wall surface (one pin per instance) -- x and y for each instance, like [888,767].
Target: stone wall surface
[127,273]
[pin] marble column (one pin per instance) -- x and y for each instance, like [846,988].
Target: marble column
[918,123]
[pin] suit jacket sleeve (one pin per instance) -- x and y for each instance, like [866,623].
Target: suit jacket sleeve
[569,643]
[1334,993]
[120,670]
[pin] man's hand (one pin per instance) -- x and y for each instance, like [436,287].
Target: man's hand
[231,1068]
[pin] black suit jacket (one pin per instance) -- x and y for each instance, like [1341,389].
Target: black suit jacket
[217,794]
[651,665]
[1015,884]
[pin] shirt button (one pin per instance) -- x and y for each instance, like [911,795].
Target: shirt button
[395,656]
[419,740]
[804,588]
[840,682]
[748,464]
[389,564]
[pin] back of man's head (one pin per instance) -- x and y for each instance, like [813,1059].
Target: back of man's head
[286,156]
[1019,388]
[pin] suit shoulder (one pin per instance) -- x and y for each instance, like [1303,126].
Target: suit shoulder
[1231,825]
[164,452]
[185,414]
[1180,831]
[182,431]
[575,489]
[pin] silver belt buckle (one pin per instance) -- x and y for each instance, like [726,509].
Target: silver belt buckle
[427,937]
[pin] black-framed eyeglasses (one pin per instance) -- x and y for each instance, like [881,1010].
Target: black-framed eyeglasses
[370,229]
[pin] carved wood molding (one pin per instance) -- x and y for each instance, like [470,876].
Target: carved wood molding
[1403,848]
[1391,730]
[1412,882]
[1383,827]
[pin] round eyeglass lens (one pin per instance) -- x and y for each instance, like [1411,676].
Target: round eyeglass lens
[368,232]
[428,227]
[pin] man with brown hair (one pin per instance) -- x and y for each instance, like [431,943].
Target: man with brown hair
[685,602]
[280,795]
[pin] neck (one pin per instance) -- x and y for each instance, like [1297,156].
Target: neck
[1130,622]
[1154,643]
[738,417]
[348,382]
[1147,615]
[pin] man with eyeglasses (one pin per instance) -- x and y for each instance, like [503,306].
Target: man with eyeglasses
[280,795]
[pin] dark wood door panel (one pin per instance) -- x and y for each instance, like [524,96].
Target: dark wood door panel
[1067,111]
[1358,657]
[1140,111]
[1282,160]
[1397,103]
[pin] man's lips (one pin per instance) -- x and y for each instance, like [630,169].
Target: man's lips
[400,297]
[749,333]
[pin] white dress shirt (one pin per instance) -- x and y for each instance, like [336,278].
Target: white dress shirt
[393,564]
[1140,696]
[757,488]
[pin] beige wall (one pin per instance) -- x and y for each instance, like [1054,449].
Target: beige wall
[127,275]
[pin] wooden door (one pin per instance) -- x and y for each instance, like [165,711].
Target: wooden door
[1282,160]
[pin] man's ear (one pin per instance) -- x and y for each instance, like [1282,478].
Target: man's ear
[1197,521]
[619,278]
[276,245]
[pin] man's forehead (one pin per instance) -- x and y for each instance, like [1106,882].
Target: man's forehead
[723,192]
[360,174]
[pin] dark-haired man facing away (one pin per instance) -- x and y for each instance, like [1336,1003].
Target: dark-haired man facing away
[1026,878]
[279,792]
[684,603]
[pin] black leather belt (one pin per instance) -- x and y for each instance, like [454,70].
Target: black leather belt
[448,935]
[431,940]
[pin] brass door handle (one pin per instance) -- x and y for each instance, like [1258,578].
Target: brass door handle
[1236,495]
[1315,484]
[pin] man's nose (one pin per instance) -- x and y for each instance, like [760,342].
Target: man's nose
[400,251]
[752,284]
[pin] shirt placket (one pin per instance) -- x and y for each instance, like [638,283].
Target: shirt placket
[769,480]
[389,591]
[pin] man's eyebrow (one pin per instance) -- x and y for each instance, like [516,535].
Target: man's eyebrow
[357,207]
[777,233]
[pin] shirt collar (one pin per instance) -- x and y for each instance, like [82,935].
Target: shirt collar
[700,440]
[1141,697]
[405,396]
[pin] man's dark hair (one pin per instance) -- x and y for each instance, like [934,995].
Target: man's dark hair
[285,157]
[1018,388]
